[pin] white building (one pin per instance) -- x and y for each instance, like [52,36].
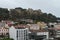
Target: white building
[18,33]
[57,32]
[39,35]
[44,33]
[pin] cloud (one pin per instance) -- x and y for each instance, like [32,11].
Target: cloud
[51,6]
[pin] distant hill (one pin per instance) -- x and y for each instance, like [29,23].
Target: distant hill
[20,13]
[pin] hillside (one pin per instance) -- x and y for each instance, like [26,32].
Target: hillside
[20,13]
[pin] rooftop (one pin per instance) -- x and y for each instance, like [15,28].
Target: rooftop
[21,26]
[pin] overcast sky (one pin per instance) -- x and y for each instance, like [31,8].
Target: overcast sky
[49,6]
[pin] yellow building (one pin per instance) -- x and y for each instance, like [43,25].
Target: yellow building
[41,24]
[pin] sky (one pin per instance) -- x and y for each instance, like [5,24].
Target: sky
[48,6]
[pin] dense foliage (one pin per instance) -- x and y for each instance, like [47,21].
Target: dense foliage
[4,14]
[20,13]
[6,39]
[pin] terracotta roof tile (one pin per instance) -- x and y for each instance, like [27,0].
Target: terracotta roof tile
[21,26]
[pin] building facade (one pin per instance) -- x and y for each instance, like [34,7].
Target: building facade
[33,27]
[18,33]
[39,35]
[3,31]
[45,34]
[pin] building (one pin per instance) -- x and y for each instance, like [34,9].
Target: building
[18,33]
[45,34]
[52,32]
[57,35]
[57,31]
[4,31]
[51,25]
[6,23]
[33,26]
[38,35]
[2,24]
[57,25]
[41,24]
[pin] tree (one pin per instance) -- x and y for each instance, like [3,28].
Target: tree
[4,14]
[20,13]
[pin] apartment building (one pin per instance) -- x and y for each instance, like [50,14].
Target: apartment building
[18,33]
[3,31]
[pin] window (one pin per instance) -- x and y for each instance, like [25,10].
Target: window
[17,34]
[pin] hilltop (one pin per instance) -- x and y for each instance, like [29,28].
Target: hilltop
[20,13]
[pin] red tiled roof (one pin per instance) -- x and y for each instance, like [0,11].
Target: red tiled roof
[21,26]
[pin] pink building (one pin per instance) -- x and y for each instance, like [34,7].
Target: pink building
[3,31]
